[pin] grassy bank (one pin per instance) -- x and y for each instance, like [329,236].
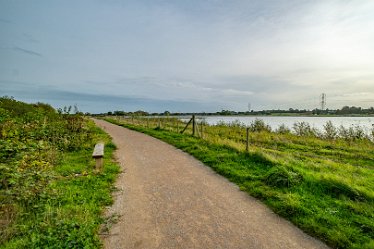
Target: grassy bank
[324,186]
[50,194]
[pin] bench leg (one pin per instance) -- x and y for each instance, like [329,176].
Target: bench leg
[99,163]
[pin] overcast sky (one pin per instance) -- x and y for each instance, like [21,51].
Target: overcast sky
[193,55]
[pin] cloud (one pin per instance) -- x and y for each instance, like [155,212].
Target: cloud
[95,103]
[5,21]
[26,51]
[217,54]
[173,89]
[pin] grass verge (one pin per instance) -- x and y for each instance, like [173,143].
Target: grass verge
[68,213]
[330,199]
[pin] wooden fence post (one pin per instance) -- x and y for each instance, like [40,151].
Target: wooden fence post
[193,125]
[187,125]
[247,142]
[201,130]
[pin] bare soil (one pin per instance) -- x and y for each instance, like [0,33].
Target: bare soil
[168,199]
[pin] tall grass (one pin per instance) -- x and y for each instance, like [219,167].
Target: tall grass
[323,182]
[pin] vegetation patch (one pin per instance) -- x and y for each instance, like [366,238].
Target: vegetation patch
[50,194]
[323,184]
[282,177]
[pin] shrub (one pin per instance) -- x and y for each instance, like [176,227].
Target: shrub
[304,129]
[31,139]
[283,129]
[359,132]
[236,124]
[352,133]
[330,130]
[259,125]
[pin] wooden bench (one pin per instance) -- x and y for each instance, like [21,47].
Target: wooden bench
[98,154]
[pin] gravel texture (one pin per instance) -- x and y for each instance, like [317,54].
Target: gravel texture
[168,199]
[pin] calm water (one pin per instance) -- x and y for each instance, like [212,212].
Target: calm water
[275,121]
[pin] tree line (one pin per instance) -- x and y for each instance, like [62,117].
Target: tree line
[345,110]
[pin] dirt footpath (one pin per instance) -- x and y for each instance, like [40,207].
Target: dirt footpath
[168,199]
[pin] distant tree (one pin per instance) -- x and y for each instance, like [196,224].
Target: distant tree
[119,113]
[141,113]
[351,110]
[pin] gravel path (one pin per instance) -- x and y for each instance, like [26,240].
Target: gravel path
[168,199]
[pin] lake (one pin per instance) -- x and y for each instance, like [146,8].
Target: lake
[316,121]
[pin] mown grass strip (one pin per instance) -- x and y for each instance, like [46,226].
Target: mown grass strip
[317,200]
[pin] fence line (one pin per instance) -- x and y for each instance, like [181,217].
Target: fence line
[237,135]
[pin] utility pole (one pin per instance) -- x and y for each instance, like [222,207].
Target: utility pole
[323,101]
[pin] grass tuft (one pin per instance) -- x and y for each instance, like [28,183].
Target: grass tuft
[282,178]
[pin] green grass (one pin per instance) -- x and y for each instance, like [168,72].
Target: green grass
[50,194]
[325,187]
[69,213]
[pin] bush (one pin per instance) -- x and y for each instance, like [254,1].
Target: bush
[236,124]
[330,130]
[259,125]
[352,133]
[283,129]
[31,139]
[24,182]
[304,129]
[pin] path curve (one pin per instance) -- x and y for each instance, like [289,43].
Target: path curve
[168,199]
